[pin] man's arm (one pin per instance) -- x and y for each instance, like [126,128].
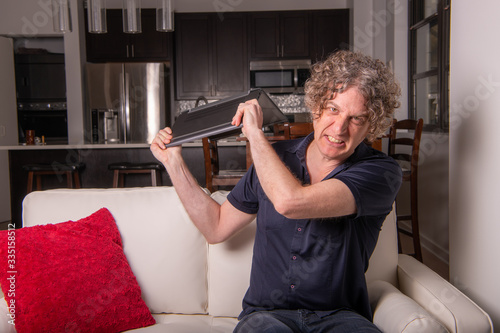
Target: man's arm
[217,223]
[290,198]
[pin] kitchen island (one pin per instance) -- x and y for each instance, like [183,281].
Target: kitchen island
[97,157]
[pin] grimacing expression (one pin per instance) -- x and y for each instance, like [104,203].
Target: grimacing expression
[342,125]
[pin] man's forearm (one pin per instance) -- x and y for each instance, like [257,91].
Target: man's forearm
[276,179]
[203,211]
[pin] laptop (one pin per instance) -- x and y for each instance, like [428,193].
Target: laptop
[213,120]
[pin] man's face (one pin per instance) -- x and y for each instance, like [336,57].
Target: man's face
[342,126]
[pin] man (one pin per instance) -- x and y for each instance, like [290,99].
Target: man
[320,201]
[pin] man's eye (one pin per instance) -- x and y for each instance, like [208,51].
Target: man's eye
[333,109]
[359,120]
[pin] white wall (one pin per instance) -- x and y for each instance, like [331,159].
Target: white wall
[474,161]
[75,58]
[27,17]
[8,121]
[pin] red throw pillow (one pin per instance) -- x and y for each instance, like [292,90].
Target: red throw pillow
[70,277]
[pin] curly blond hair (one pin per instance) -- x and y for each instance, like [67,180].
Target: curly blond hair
[374,80]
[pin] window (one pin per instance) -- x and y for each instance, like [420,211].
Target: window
[429,62]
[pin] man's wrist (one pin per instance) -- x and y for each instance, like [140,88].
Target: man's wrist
[255,134]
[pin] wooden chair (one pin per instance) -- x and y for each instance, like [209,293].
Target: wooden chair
[214,176]
[293,130]
[409,163]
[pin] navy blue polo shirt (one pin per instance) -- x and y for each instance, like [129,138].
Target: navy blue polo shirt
[317,264]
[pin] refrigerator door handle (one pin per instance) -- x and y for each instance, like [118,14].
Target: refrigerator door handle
[126,116]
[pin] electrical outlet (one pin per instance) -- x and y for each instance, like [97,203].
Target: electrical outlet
[2,130]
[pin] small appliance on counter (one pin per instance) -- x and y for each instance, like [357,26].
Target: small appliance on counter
[127,102]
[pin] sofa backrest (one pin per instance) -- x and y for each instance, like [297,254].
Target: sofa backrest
[164,249]
[176,269]
[229,265]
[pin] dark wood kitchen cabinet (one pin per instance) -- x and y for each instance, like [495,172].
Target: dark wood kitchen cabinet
[117,46]
[211,55]
[276,35]
[330,32]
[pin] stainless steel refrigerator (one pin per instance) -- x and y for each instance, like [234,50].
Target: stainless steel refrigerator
[127,102]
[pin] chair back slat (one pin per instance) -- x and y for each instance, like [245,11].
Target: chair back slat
[293,130]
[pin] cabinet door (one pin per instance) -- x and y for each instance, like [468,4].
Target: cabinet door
[150,45]
[294,37]
[231,60]
[117,46]
[330,32]
[193,41]
[111,46]
[264,35]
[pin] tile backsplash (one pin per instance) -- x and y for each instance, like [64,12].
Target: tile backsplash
[291,105]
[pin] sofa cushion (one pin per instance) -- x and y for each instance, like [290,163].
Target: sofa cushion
[165,250]
[394,312]
[71,276]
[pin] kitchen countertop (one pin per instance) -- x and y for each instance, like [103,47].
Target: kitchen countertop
[197,143]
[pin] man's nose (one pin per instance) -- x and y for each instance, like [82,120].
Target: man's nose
[341,124]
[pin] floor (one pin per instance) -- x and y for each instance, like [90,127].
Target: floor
[429,259]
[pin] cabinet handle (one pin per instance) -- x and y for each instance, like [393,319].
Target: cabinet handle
[282,50]
[133,53]
[127,51]
[278,51]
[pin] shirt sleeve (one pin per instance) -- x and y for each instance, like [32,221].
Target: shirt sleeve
[374,184]
[244,195]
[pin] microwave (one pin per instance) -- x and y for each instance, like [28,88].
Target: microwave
[280,76]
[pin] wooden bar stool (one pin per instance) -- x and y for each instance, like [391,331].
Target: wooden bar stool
[72,172]
[125,168]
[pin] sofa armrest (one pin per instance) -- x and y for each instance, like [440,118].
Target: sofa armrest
[394,312]
[440,298]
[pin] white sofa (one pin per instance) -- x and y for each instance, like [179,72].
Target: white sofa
[190,286]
